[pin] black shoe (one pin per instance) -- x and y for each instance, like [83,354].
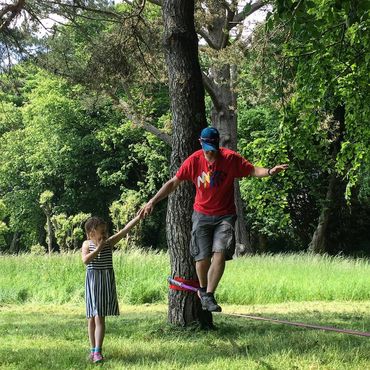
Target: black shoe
[209,303]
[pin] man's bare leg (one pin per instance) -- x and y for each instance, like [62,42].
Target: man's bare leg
[215,271]
[209,274]
[202,268]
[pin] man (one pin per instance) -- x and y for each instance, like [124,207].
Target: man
[212,170]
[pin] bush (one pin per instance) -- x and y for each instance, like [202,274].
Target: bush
[37,250]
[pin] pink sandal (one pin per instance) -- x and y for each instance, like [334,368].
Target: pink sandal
[97,357]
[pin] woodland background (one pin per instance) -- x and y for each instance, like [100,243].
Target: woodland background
[86,124]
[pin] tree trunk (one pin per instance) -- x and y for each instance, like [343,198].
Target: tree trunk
[50,237]
[50,233]
[224,118]
[243,243]
[318,243]
[188,114]
[13,249]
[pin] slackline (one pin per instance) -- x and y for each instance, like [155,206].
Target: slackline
[184,286]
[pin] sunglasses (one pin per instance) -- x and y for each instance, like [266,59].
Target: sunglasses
[209,140]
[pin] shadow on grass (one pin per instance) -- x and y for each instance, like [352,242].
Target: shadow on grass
[39,340]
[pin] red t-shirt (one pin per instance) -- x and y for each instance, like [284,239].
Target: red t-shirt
[214,182]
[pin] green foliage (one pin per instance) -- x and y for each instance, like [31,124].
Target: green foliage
[66,135]
[3,210]
[122,211]
[3,229]
[37,250]
[69,230]
[54,147]
[46,197]
[74,145]
[329,43]
[111,56]
[301,70]
[267,206]
[119,167]
[141,170]
[125,209]
[10,116]
[154,154]
[3,226]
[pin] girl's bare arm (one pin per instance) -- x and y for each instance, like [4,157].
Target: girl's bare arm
[88,256]
[114,239]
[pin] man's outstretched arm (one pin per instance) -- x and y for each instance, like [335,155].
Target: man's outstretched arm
[162,193]
[264,172]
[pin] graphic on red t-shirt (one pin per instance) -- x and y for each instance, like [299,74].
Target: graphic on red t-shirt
[214,182]
[210,179]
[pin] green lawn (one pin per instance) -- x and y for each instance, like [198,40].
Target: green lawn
[43,325]
[41,336]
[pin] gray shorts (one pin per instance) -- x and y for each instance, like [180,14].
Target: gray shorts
[212,234]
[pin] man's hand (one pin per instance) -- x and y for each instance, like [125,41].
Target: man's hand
[146,210]
[278,168]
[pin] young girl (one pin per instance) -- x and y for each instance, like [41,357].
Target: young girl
[100,285]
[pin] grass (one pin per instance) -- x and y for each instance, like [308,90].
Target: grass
[54,337]
[43,325]
[295,277]
[141,278]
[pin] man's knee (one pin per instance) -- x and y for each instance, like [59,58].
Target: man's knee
[218,257]
[206,261]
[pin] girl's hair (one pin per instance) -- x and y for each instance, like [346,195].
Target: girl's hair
[92,223]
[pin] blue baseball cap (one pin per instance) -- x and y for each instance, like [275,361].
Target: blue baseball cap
[210,139]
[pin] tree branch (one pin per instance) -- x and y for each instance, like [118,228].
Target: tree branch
[225,35]
[78,6]
[208,40]
[226,5]
[14,10]
[210,87]
[156,2]
[157,132]
[143,122]
[247,11]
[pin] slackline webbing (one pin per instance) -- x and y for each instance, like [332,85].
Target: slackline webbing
[300,324]
[184,286]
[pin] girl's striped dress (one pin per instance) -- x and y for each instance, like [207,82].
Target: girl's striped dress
[100,285]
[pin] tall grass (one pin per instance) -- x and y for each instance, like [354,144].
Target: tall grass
[141,278]
[294,277]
